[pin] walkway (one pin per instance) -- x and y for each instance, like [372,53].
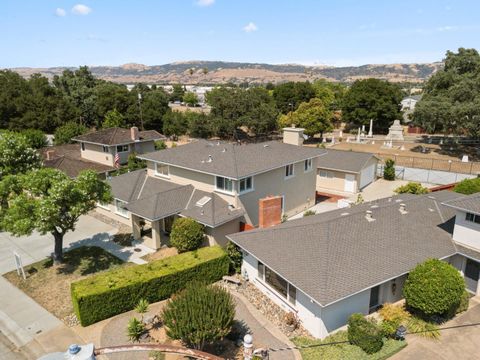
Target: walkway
[460,343]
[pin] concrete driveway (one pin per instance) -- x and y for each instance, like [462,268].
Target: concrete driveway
[460,343]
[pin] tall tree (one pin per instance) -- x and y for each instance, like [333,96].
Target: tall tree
[290,95]
[372,99]
[16,154]
[177,92]
[314,116]
[113,118]
[48,201]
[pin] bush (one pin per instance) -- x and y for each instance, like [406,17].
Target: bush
[160,145]
[392,317]
[114,292]
[434,288]
[468,186]
[187,234]
[35,138]
[411,188]
[423,328]
[65,133]
[389,170]
[464,302]
[364,333]
[309,213]
[235,256]
[135,163]
[135,329]
[199,315]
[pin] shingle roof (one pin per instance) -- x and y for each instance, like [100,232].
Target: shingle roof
[349,161]
[331,256]
[116,136]
[466,251]
[470,203]
[233,160]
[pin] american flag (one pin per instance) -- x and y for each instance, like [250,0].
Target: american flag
[117,160]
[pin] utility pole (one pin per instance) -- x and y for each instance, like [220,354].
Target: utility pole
[140,109]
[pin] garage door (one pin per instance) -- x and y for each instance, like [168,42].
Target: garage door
[367,176]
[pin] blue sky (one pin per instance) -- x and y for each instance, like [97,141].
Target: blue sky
[45,33]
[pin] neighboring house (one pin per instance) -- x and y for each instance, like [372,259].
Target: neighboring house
[346,171]
[218,184]
[409,102]
[103,145]
[328,266]
[67,158]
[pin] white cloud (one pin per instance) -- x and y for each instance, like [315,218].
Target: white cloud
[205,3]
[60,12]
[250,27]
[447,28]
[80,9]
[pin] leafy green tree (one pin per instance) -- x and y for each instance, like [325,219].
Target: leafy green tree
[235,256]
[290,95]
[199,125]
[48,201]
[154,107]
[177,92]
[135,163]
[175,123]
[411,188]
[16,155]
[113,119]
[187,234]
[190,98]
[199,315]
[330,93]
[313,116]
[434,287]
[468,186]
[389,170]
[65,133]
[112,96]
[364,333]
[35,138]
[372,99]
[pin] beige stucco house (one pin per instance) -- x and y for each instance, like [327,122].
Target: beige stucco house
[218,184]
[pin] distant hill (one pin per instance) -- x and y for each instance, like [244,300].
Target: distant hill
[217,72]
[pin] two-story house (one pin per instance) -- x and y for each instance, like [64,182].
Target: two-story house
[218,184]
[102,146]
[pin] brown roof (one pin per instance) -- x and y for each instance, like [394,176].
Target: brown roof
[67,158]
[117,136]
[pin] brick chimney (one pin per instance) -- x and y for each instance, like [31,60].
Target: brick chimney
[269,211]
[293,135]
[134,133]
[49,154]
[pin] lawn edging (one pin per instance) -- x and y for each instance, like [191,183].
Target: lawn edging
[105,295]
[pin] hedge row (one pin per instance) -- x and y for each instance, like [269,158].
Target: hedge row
[104,295]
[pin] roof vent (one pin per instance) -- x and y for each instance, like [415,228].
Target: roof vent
[210,159]
[374,206]
[403,209]
[218,143]
[431,197]
[368,216]
[266,145]
[344,214]
[224,150]
[203,201]
[231,207]
[398,200]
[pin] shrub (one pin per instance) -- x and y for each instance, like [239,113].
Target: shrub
[135,163]
[389,170]
[309,213]
[392,317]
[104,295]
[364,333]
[468,186]
[423,328]
[142,306]
[187,234]
[35,138]
[160,145]
[434,287]
[135,329]
[235,256]
[199,315]
[411,188]
[65,133]
[464,302]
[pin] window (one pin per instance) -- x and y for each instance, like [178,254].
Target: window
[261,270]
[246,185]
[119,208]
[473,218]
[289,171]
[122,148]
[326,174]
[285,289]
[103,206]
[223,184]
[83,146]
[162,170]
[307,165]
[105,149]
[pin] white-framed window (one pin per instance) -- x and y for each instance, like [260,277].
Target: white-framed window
[162,170]
[326,174]
[289,171]
[223,184]
[83,146]
[307,166]
[276,282]
[105,149]
[120,210]
[245,185]
[473,218]
[104,206]
[122,148]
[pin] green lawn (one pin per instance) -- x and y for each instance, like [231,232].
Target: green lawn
[345,351]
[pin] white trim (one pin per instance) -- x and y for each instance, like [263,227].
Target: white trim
[222,191]
[104,207]
[286,177]
[339,170]
[460,209]
[127,143]
[126,216]
[283,299]
[160,174]
[247,190]
[122,151]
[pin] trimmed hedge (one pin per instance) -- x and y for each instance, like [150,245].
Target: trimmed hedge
[105,295]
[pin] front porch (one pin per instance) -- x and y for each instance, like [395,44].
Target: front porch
[152,233]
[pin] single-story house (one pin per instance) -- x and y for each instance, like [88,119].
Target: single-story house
[328,266]
[346,171]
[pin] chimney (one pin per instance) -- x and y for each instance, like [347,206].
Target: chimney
[49,154]
[293,135]
[368,216]
[269,211]
[403,209]
[134,133]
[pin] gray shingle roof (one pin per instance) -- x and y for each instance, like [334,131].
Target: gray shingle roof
[466,251]
[331,256]
[233,160]
[115,136]
[470,203]
[349,161]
